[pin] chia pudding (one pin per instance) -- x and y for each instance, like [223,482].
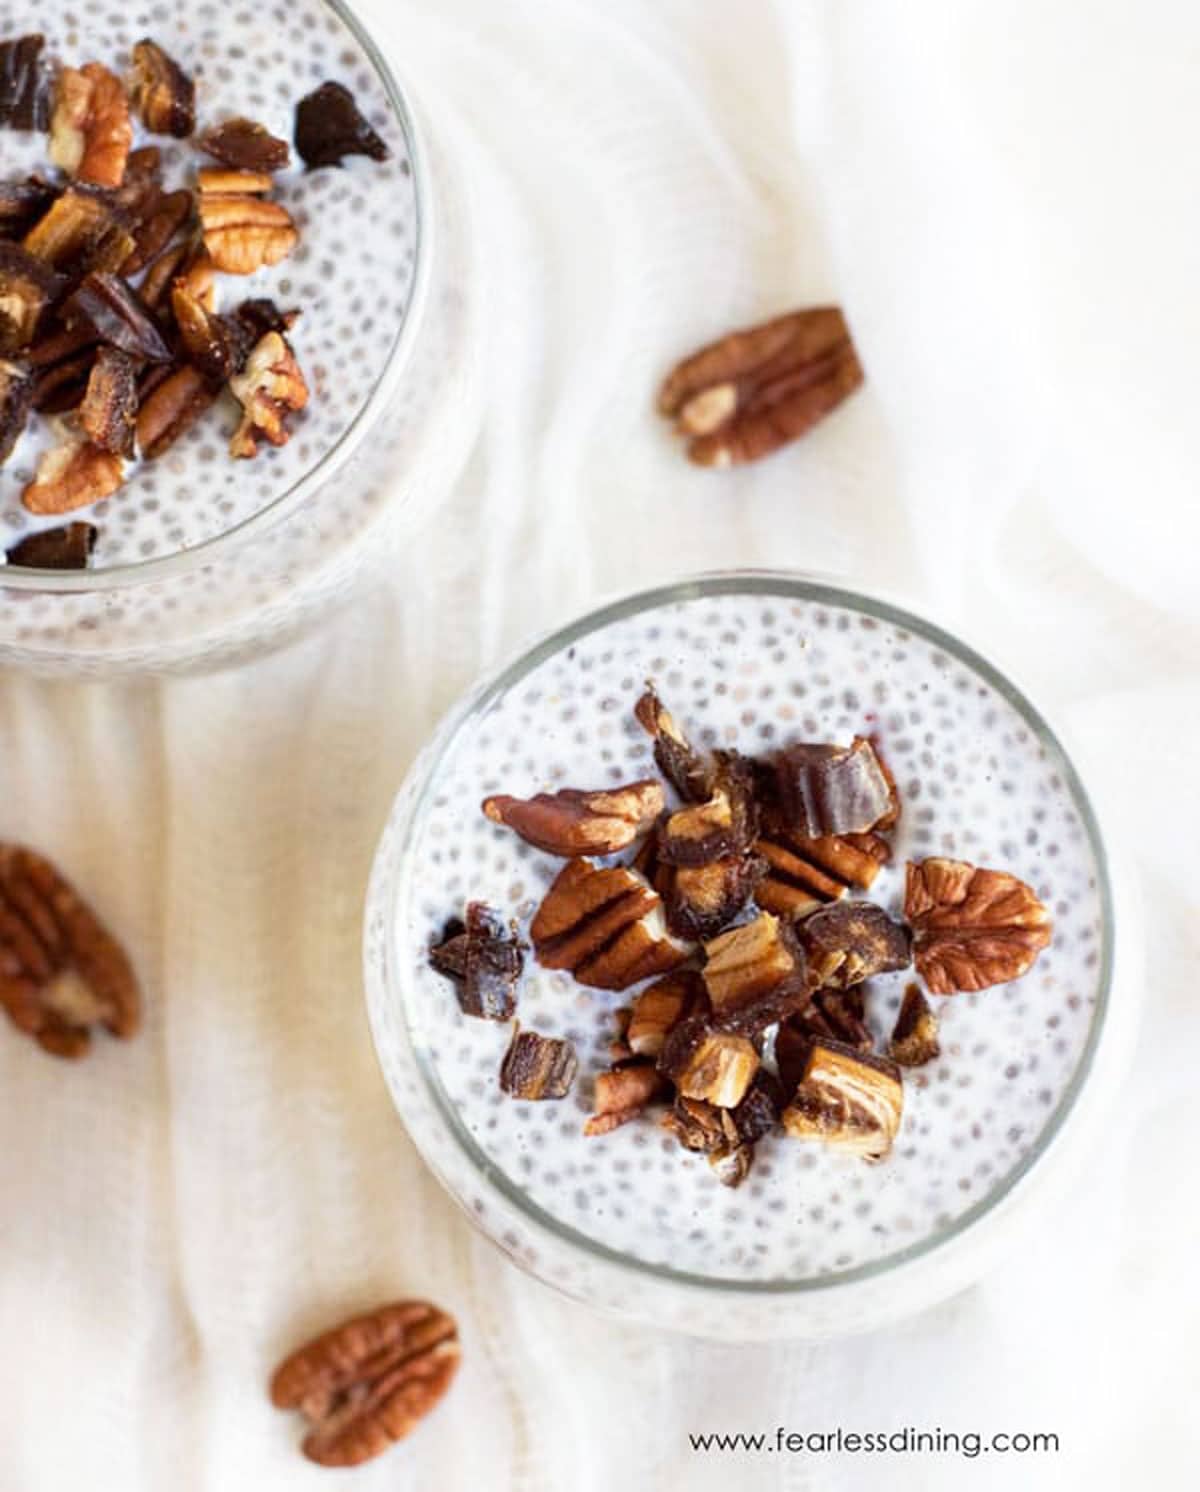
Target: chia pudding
[758,667]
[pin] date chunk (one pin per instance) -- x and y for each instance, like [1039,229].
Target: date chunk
[538,1067]
[848,1099]
[485,959]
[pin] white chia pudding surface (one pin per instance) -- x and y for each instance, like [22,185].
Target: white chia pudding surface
[756,671]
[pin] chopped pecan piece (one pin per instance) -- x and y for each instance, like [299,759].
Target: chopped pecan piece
[24,94]
[836,1013]
[972,928]
[163,94]
[484,957]
[245,145]
[116,314]
[849,1099]
[853,941]
[622,1093]
[703,1062]
[16,395]
[723,825]
[678,761]
[824,790]
[243,233]
[570,822]
[27,286]
[915,1034]
[330,127]
[110,403]
[72,475]
[160,277]
[67,548]
[82,231]
[269,388]
[225,181]
[157,225]
[90,132]
[804,874]
[702,899]
[61,971]
[22,203]
[368,1382]
[660,1007]
[755,390]
[538,1067]
[756,967]
[605,926]
[171,408]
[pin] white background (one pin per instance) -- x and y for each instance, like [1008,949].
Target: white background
[1004,198]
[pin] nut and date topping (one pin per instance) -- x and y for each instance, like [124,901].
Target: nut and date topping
[853,941]
[113,312]
[27,287]
[369,1382]
[245,145]
[171,408]
[659,1008]
[972,927]
[81,231]
[824,790]
[683,767]
[573,822]
[90,129]
[915,1035]
[269,388]
[702,899]
[707,1063]
[163,95]
[622,1093]
[61,971]
[109,408]
[67,548]
[484,957]
[851,1100]
[330,127]
[72,475]
[806,874]
[16,399]
[243,233]
[605,925]
[22,203]
[725,824]
[24,84]
[538,1068]
[755,390]
[756,968]
[839,1014]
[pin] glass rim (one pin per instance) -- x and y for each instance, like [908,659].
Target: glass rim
[419,783]
[184,561]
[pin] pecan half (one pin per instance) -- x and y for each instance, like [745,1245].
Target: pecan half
[163,94]
[755,390]
[243,233]
[805,874]
[245,145]
[484,958]
[110,402]
[853,941]
[81,232]
[660,1007]
[329,127]
[90,132]
[703,1062]
[571,822]
[823,790]
[16,398]
[61,971]
[538,1067]
[678,761]
[622,1093]
[757,971]
[269,388]
[24,95]
[604,925]
[972,927]
[27,286]
[848,1099]
[228,180]
[67,548]
[170,409]
[915,1034]
[72,475]
[368,1382]
[114,312]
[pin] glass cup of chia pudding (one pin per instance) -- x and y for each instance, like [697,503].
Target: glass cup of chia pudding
[881,1180]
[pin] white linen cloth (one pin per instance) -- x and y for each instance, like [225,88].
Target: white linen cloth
[1003,199]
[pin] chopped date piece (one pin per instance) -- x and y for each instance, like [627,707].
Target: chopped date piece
[157,226]
[243,233]
[755,390]
[81,232]
[90,131]
[160,277]
[484,957]
[853,941]
[605,926]
[110,402]
[269,388]
[16,395]
[538,1067]
[724,825]
[261,315]
[660,1007]
[793,1038]
[728,1136]
[22,203]
[573,822]
[217,345]
[680,764]
[757,967]
[915,1035]
[805,874]
[60,386]
[24,84]
[851,1100]
[110,308]
[710,1064]
[72,475]
[825,789]
[163,94]
[27,287]
[972,927]
[622,1093]
[702,899]
[330,127]
[245,145]
[67,548]
[838,1014]
[171,408]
